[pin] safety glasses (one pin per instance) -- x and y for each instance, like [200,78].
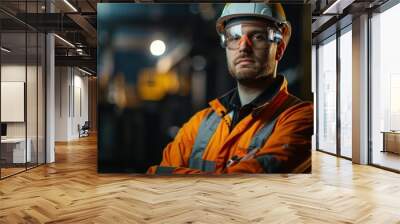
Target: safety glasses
[234,36]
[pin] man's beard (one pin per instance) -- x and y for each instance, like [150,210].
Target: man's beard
[252,77]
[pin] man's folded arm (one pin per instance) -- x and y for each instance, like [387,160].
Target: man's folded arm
[288,149]
[176,154]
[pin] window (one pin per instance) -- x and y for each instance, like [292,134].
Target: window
[346,93]
[385,89]
[327,96]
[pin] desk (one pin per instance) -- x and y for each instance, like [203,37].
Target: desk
[391,141]
[15,148]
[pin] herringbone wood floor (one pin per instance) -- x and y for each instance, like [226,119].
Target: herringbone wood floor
[70,191]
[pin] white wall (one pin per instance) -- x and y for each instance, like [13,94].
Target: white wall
[13,73]
[71,94]
[33,126]
[61,103]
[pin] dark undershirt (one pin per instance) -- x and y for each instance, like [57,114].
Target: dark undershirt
[232,101]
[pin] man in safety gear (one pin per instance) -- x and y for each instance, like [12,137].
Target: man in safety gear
[258,127]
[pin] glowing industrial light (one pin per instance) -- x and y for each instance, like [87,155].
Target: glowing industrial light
[157,47]
[70,5]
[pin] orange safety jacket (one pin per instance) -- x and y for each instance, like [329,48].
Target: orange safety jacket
[274,138]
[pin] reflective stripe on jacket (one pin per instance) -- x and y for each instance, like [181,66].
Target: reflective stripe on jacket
[287,149]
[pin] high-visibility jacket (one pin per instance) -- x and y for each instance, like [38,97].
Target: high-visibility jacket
[274,138]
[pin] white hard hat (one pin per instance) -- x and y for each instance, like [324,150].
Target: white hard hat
[269,11]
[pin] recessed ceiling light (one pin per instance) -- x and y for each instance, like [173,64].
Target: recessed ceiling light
[5,50]
[65,41]
[84,71]
[70,5]
[333,8]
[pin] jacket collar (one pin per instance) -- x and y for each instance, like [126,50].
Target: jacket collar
[230,100]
